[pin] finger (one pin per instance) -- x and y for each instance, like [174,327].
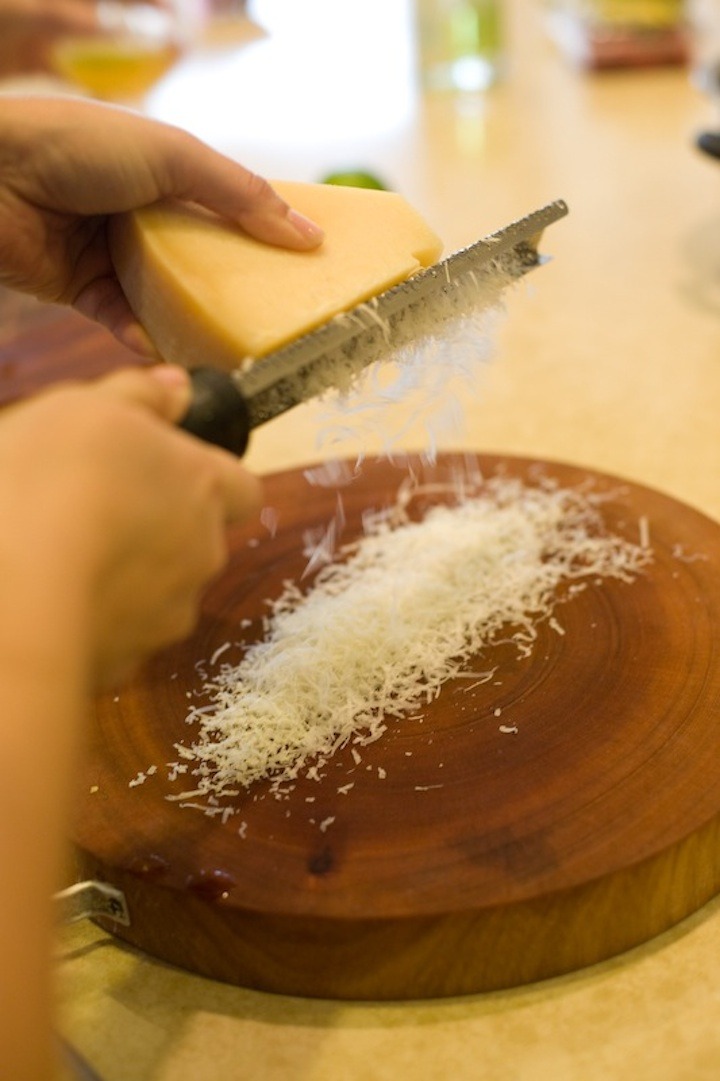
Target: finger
[260,211]
[199,174]
[241,490]
[163,389]
[134,160]
[104,301]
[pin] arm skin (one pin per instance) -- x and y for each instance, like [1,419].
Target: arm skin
[112,520]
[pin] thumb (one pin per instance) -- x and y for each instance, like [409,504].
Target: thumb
[163,389]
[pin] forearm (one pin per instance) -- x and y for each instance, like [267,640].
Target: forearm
[111,523]
[43,681]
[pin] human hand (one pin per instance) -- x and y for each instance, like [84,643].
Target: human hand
[113,519]
[66,164]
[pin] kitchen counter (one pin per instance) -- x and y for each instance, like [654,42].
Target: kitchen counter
[607,357]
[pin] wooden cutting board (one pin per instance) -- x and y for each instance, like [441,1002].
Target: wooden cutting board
[499,849]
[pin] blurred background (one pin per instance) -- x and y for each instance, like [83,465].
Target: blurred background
[299,88]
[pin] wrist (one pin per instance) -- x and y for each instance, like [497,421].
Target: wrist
[45,616]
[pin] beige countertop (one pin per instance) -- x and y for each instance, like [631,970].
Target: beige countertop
[608,357]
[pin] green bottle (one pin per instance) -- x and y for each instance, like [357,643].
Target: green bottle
[459,43]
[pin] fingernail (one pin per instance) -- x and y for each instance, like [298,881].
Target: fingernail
[172,375]
[308,230]
[135,338]
[175,378]
[177,382]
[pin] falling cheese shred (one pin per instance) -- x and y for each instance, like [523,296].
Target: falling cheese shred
[394,617]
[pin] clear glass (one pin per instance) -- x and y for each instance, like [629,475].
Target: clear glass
[136,45]
[459,43]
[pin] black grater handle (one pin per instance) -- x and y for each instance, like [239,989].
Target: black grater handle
[218,412]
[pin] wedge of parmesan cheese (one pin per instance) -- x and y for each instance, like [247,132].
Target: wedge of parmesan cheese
[207,293]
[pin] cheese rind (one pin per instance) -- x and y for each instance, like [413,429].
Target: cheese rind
[207,293]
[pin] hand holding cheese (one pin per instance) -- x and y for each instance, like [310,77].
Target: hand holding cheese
[208,293]
[66,165]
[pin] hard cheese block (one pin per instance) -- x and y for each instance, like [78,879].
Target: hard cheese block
[207,293]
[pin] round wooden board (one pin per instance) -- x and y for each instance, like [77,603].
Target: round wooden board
[498,849]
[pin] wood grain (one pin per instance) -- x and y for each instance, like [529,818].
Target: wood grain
[41,344]
[485,858]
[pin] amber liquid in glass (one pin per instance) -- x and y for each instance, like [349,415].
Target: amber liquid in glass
[114,69]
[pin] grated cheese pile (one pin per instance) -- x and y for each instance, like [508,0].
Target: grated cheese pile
[393,618]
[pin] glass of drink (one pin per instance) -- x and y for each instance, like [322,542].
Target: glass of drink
[135,46]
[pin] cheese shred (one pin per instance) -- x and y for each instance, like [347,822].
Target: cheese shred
[392,618]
